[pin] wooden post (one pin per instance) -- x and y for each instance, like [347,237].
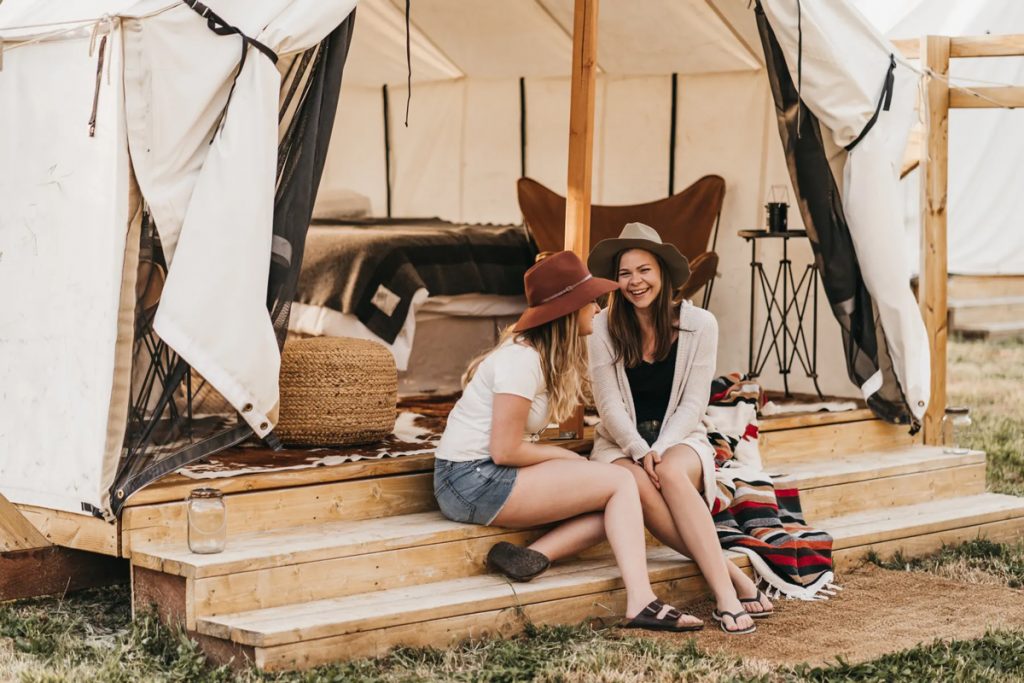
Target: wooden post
[581,127]
[935,166]
[581,150]
[16,532]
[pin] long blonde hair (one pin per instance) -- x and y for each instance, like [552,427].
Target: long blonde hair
[563,361]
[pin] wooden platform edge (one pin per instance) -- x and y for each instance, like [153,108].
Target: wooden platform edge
[55,571]
[600,608]
[78,532]
[17,532]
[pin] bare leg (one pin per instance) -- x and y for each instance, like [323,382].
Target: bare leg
[571,537]
[658,518]
[681,483]
[559,489]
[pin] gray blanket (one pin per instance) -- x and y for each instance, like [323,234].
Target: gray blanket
[372,270]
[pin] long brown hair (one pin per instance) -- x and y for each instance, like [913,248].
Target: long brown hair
[624,323]
[563,360]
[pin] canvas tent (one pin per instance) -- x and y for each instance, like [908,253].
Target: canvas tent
[489,103]
[985,234]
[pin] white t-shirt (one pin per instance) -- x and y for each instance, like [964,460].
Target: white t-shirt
[510,369]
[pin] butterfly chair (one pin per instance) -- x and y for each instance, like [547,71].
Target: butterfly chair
[687,219]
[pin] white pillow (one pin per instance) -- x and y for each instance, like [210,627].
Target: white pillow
[341,205]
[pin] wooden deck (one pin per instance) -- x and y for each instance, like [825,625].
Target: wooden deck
[350,560]
[340,561]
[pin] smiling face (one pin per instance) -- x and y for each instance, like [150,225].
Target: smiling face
[639,277]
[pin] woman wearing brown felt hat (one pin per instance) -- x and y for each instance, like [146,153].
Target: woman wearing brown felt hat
[488,468]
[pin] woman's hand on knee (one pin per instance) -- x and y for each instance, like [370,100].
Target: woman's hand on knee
[652,459]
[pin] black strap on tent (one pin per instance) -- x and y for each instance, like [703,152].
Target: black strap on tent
[222,28]
[387,147]
[522,127]
[408,59]
[884,101]
[673,114]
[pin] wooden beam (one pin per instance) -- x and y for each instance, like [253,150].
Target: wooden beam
[1004,97]
[908,47]
[969,46]
[1011,45]
[932,293]
[581,150]
[56,571]
[16,532]
[581,127]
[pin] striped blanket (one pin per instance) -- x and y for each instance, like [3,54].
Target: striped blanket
[751,515]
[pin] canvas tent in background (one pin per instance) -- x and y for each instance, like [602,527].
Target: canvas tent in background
[490,103]
[986,232]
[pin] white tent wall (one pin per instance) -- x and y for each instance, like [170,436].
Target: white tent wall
[460,157]
[68,272]
[67,336]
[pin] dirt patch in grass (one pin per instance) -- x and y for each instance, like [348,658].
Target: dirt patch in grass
[878,612]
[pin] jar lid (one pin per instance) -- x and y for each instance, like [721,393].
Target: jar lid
[957,410]
[205,492]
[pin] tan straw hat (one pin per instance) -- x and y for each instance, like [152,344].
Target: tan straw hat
[638,236]
[556,286]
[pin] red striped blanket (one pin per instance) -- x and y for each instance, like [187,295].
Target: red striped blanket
[751,515]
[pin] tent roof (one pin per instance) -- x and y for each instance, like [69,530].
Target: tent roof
[532,38]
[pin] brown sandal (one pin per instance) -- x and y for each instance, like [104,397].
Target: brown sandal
[652,619]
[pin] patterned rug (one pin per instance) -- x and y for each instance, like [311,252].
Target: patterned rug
[421,421]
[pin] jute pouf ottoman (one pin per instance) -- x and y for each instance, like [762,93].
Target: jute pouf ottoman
[336,391]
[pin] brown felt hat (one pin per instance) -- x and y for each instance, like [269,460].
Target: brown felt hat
[556,286]
[639,236]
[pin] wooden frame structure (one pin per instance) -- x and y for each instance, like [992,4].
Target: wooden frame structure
[934,53]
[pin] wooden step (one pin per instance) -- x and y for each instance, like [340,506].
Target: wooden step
[983,310]
[1012,329]
[331,559]
[398,494]
[875,480]
[819,443]
[286,507]
[306,634]
[985,286]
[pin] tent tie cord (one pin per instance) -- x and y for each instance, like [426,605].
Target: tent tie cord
[222,28]
[884,102]
[106,27]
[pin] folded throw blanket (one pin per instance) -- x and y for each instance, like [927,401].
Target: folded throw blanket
[374,270]
[751,515]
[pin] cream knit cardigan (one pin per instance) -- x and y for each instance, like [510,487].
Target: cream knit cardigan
[616,435]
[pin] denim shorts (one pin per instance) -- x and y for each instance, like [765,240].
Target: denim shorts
[473,491]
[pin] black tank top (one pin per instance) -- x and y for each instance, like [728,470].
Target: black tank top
[651,386]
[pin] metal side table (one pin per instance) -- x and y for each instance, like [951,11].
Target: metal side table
[785,299]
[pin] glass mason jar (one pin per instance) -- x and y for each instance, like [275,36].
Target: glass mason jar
[207,521]
[956,427]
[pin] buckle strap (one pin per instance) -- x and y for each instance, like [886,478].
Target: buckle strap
[884,102]
[222,28]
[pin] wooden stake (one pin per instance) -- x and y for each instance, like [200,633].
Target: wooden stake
[16,532]
[581,150]
[934,184]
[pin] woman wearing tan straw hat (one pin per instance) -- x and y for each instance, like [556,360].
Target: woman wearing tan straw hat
[652,359]
[488,470]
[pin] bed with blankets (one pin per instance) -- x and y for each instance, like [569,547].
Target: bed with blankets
[435,293]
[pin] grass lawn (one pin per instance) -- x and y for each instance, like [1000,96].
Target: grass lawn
[90,636]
